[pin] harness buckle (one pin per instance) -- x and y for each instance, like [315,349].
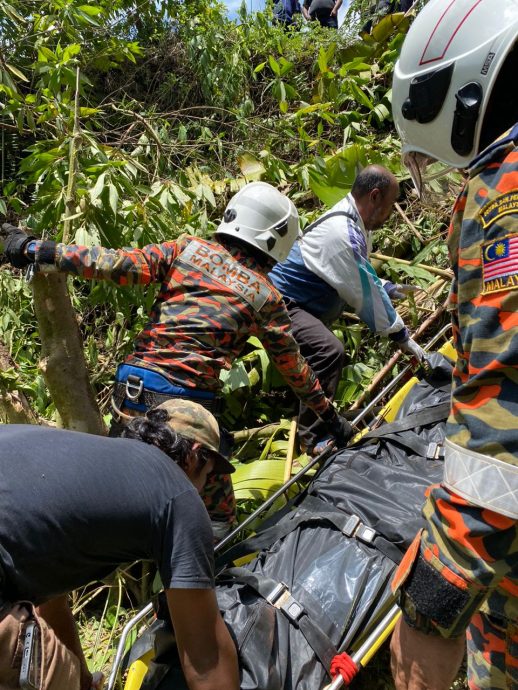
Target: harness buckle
[352,524]
[134,387]
[365,534]
[281,598]
[435,451]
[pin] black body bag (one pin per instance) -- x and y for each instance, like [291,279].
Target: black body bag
[321,578]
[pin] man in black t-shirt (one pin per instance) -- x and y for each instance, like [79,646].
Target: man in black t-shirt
[73,507]
[326,11]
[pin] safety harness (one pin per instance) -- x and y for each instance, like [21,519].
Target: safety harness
[138,388]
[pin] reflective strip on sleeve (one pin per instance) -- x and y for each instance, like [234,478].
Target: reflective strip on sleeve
[484,481]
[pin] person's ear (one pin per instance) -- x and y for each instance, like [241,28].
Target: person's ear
[191,461]
[375,196]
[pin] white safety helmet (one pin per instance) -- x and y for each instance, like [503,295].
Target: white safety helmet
[454,88]
[262,217]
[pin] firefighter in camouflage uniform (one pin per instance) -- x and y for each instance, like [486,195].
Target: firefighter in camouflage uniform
[213,296]
[454,96]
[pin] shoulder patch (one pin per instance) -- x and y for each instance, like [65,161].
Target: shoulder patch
[503,205]
[225,270]
[500,264]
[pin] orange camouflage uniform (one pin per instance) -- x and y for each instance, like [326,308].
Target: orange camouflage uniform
[471,547]
[210,301]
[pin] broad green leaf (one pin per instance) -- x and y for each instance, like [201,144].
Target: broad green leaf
[251,168]
[259,479]
[12,13]
[383,29]
[235,378]
[360,96]
[45,54]
[17,73]
[381,112]
[322,60]
[275,67]
[86,112]
[92,10]
[98,187]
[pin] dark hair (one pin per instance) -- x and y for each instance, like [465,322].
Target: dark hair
[153,429]
[372,177]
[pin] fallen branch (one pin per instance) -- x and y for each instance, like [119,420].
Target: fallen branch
[409,223]
[14,406]
[258,432]
[444,273]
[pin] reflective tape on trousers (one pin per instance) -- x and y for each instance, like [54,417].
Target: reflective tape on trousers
[481,479]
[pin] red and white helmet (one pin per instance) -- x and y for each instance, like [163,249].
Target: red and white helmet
[455,83]
[262,217]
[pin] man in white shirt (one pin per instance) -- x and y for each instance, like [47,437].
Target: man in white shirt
[328,270]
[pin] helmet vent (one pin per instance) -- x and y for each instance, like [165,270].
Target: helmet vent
[426,95]
[270,243]
[469,98]
[229,215]
[282,228]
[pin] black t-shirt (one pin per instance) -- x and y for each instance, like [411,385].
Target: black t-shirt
[73,507]
[317,5]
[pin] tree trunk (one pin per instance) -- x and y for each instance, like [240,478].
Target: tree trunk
[62,358]
[14,406]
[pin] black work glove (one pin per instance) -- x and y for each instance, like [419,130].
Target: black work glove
[15,241]
[338,427]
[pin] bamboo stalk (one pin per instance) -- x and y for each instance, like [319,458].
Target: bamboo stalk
[291,450]
[257,432]
[393,360]
[444,273]
[409,223]
[72,166]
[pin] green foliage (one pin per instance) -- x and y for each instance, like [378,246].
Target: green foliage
[126,123]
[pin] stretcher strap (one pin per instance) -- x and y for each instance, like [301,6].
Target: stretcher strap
[423,417]
[278,595]
[312,510]
[343,665]
[364,533]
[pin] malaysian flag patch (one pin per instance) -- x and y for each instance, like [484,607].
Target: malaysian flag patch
[500,264]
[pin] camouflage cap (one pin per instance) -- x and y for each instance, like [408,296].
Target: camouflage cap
[193,421]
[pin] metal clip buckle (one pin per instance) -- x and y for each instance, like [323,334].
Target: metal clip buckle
[281,598]
[30,273]
[435,451]
[134,387]
[365,534]
[351,525]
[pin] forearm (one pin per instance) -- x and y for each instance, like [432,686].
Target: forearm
[121,266]
[58,616]
[303,382]
[424,662]
[461,557]
[222,670]
[206,650]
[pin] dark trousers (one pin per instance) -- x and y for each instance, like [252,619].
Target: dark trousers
[326,356]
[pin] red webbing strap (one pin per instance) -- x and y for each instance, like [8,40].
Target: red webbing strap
[343,664]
